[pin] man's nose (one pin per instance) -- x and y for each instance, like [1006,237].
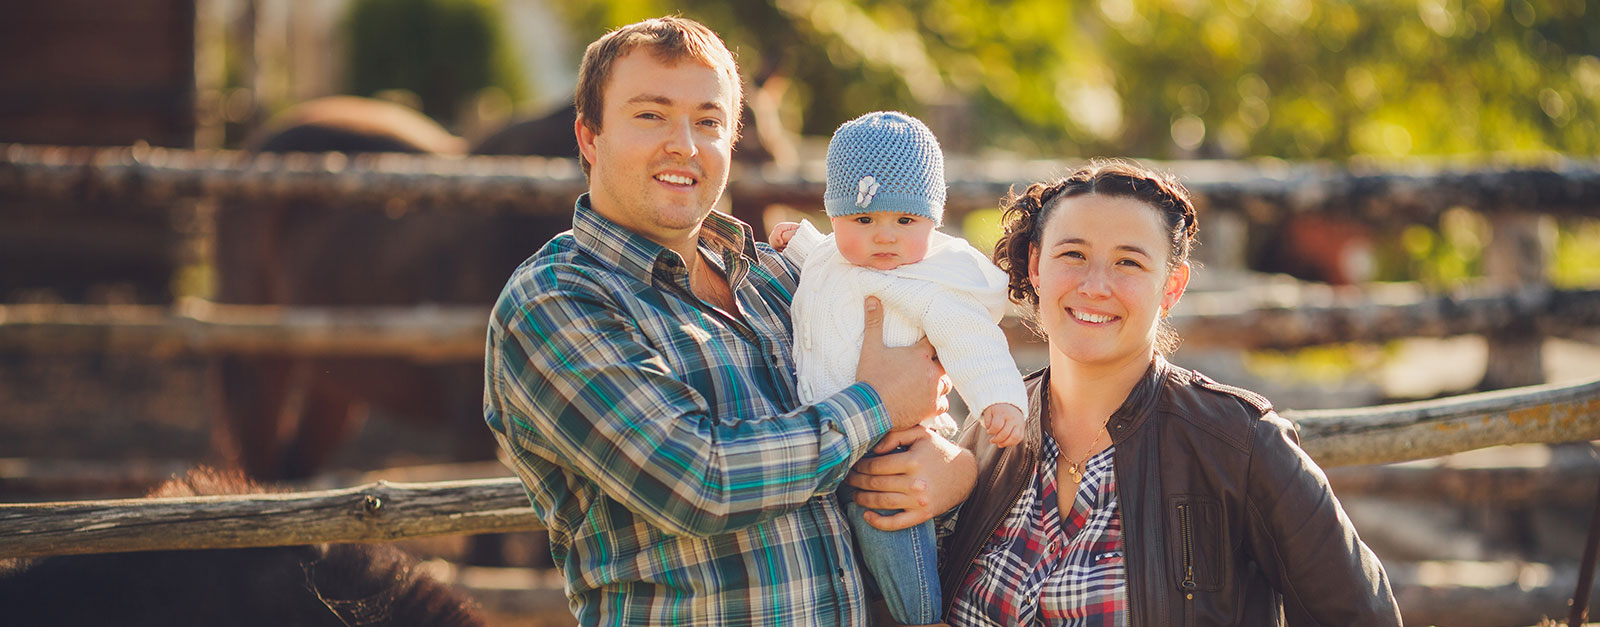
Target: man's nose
[680,139]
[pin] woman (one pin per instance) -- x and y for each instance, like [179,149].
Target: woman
[1145,494]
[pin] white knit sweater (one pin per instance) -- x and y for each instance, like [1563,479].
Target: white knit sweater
[954,296]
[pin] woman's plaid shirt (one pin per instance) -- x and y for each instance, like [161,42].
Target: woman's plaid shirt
[662,441]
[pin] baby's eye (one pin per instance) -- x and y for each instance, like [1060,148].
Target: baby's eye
[907,220]
[863,219]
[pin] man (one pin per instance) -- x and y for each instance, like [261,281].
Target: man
[638,372]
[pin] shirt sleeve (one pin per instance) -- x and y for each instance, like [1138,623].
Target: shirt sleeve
[571,378]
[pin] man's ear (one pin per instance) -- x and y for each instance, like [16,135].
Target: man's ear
[586,136]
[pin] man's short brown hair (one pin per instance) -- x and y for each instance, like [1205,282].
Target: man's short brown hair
[670,39]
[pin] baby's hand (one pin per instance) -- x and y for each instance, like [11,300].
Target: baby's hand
[781,234]
[1004,423]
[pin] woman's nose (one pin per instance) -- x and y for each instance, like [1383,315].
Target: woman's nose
[1095,283]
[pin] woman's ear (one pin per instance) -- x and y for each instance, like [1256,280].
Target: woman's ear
[1033,268]
[1177,282]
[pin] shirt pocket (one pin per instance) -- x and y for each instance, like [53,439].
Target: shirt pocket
[1196,545]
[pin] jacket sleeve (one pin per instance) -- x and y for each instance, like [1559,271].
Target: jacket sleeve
[1303,541]
[570,379]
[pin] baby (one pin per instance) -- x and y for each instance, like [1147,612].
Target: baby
[885,196]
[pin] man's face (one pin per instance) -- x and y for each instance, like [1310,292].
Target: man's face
[661,159]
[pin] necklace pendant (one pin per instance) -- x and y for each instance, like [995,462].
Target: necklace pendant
[1074,474]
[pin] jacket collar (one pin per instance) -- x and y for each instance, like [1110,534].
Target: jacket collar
[1141,402]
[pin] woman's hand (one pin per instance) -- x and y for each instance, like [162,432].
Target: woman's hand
[928,479]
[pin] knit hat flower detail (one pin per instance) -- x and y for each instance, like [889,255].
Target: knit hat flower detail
[885,161]
[865,191]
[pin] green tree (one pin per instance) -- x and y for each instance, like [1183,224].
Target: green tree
[444,51]
[1296,79]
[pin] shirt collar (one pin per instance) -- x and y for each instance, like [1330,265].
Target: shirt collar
[728,239]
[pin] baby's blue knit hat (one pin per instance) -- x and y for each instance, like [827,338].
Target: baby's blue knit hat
[885,161]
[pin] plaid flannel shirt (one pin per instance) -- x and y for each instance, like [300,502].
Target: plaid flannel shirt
[662,441]
[1041,569]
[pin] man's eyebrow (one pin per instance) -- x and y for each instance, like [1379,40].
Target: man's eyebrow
[709,105]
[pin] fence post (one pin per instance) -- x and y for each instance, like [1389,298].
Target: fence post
[1515,260]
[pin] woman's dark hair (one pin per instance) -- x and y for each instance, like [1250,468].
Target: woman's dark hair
[1024,216]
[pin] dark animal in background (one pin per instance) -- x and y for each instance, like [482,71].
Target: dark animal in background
[353,125]
[544,135]
[309,586]
[287,417]
[1314,247]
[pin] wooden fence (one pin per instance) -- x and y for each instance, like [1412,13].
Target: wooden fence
[385,511]
[1507,307]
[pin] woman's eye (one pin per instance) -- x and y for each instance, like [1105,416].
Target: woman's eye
[1073,254]
[1131,264]
[712,123]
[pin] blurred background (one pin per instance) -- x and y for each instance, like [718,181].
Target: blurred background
[1012,88]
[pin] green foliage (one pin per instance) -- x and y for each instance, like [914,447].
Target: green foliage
[1446,256]
[1296,79]
[1577,255]
[444,51]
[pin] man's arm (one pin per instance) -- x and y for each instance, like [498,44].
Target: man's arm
[931,477]
[572,374]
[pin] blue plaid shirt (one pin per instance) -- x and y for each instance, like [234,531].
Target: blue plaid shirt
[662,441]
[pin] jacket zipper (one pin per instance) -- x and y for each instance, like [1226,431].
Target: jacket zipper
[1186,532]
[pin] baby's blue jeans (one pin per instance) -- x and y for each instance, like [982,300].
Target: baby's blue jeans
[903,565]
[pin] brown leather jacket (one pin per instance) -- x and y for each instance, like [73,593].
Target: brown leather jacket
[1225,520]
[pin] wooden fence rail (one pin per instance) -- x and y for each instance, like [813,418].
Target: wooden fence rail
[162,176]
[385,511]
[1282,317]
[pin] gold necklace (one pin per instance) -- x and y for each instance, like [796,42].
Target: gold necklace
[1075,471]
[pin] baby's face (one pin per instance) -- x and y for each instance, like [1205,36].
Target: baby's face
[883,240]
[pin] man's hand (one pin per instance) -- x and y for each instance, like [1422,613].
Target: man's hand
[928,479]
[1004,423]
[910,379]
[781,234]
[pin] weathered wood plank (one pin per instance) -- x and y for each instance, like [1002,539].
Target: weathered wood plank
[419,332]
[1471,487]
[158,176]
[1420,430]
[1297,316]
[375,512]
[384,511]
[1279,319]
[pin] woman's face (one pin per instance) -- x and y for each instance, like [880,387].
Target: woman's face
[1101,274]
